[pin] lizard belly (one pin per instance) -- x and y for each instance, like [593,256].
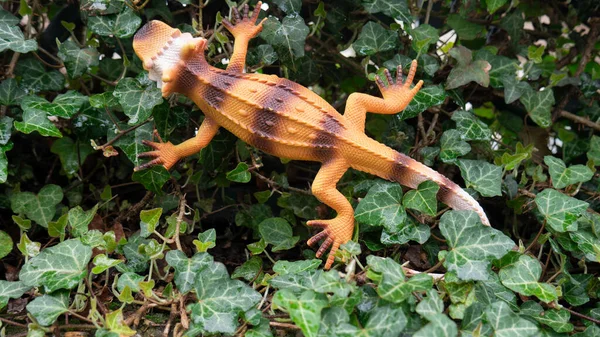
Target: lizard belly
[272,114]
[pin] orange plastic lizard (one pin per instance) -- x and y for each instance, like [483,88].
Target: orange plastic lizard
[285,119]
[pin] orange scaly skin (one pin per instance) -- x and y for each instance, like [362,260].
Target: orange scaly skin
[285,119]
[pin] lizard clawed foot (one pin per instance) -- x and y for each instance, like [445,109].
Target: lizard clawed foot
[336,231]
[398,88]
[165,154]
[244,26]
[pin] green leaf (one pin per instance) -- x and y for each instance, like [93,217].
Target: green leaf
[514,89]
[289,6]
[10,92]
[574,288]
[121,25]
[382,206]
[588,243]
[250,269]
[557,319]
[385,320]
[56,229]
[35,78]
[220,301]
[263,54]
[409,231]
[46,308]
[430,305]
[277,232]
[471,127]
[422,37]
[439,325]
[506,323]
[535,53]
[80,219]
[560,211]
[522,276]
[453,146]
[563,176]
[493,5]
[6,244]
[484,177]
[467,70]
[71,255]
[64,105]
[426,98]
[283,267]
[28,247]
[187,269]
[305,310]
[153,178]
[239,174]
[103,100]
[373,38]
[39,208]
[206,240]
[35,119]
[148,220]
[131,143]
[397,9]
[288,36]
[502,67]
[539,106]
[115,323]
[72,154]
[10,290]
[77,61]
[393,285]
[137,99]
[11,37]
[4,161]
[594,152]
[423,199]
[102,263]
[472,245]
[465,29]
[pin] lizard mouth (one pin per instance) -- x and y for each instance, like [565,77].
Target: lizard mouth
[159,46]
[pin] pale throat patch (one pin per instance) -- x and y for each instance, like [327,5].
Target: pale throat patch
[168,57]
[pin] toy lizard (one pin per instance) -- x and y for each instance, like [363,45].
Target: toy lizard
[285,119]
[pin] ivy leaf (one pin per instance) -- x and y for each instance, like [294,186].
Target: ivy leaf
[410,231]
[465,29]
[79,220]
[493,5]
[426,98]
[35,78]
[422,37]
[137,99]
[423,199]
[153,178]
[305,310]
[206,240]
[373,38]
[472,245]
[514,89]
[48,307]
[10,92]
[395,9]
[277,232]
[467,70]
[220,301]
[557,319]
[167,118]
[594,152]
[10,290]
[588,243]
[103,100]
[563,176]
[72,154]
[453,146]
[560,211]
[471,127]
[385,320]
[288,36]
[239,174]
[574,289]
[393,285]
[263,54]
[430,305]
[77,61]
[484,177]
[35,119]
[148,220]
[502,67]
[539,106]
[289,6]
[115,323]
[187,270]
[4,161]
[121,25]
[6,244]
[250,269]
[382,206]
[11,37]
[506,323]
[131,143]
[283,267]
[71,255]
[64,105]
[522,276]
[439,325]
[103,262]
[40,208]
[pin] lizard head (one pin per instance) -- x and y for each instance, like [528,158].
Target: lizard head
[162,47]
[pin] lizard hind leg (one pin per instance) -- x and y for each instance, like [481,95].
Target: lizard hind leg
[338,230]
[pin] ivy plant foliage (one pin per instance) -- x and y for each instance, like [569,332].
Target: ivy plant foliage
[217,245]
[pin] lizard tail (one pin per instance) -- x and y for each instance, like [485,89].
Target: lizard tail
[389,164]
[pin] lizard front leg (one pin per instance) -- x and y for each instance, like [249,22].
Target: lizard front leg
[338,230]
[396,96]
[167,154]
[244,29]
